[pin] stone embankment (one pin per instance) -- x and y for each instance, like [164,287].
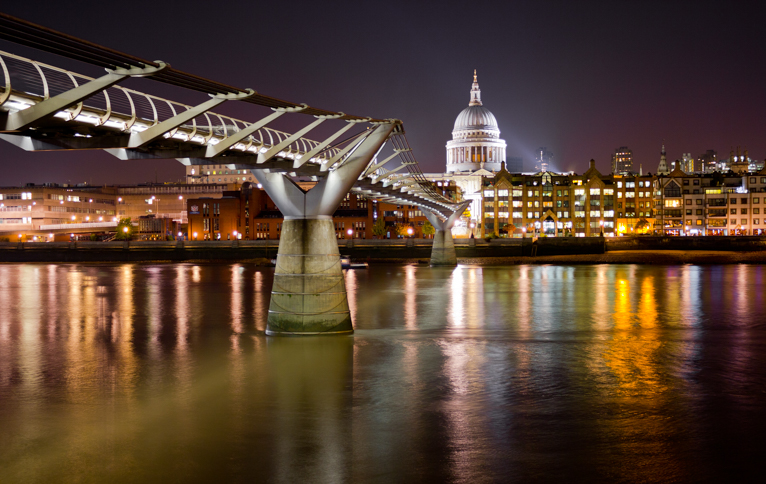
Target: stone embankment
[588,250]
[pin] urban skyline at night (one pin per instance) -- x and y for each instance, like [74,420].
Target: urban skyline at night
[579,80]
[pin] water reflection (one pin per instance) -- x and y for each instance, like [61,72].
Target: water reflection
[162,372]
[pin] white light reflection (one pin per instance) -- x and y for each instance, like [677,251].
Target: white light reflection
[182,307]
[236,298]
[351,292]
[410,298]
[455,311]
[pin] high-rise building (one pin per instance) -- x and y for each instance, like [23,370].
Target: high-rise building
[622,161]
[687,163]
[543,159]
[707,162]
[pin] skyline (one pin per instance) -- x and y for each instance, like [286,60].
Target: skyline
[569,78]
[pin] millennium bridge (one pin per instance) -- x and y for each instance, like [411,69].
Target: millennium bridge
[45,108]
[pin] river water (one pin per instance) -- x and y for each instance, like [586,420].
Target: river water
[162,373]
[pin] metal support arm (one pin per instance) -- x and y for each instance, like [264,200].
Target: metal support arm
[143,138]
[47,108]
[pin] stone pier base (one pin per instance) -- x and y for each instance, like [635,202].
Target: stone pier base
[443,251]
[309,292]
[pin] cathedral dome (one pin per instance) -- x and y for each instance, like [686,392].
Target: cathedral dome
[476,142]
[474,118]
[475,121]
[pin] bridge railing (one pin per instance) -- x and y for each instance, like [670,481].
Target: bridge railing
[27,82]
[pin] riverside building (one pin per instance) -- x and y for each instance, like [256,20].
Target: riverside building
[554,204]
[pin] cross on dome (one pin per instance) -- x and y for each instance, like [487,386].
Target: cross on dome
[475,92]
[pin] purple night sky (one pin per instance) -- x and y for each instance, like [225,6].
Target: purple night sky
[581,78]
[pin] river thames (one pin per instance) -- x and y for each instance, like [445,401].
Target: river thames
[163,373]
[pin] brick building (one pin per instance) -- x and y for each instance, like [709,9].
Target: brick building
[249,214]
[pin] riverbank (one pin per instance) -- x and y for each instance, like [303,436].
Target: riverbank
[646,257]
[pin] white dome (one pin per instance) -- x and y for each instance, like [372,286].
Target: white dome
[476,118]
[476,142]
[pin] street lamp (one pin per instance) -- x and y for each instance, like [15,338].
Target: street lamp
[523,232]
[409,231]
[601,224]
[350,232]
[195,235]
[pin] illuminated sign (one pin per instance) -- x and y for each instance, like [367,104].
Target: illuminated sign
[194,210]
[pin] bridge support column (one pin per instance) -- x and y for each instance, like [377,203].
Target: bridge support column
[443,249]
[309,291]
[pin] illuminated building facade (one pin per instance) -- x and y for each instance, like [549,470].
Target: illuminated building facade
[562,204]
[249,214]
[476,143]
[622,161]
[543,159]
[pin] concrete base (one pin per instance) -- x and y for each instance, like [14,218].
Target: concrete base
[443,250]
[309,292]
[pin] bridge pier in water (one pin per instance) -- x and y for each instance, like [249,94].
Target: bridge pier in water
[309,291]
[443,249]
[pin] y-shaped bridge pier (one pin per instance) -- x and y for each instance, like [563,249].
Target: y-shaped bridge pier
[57,109]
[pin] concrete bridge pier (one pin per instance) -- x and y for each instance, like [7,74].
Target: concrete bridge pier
[309,291]
[443,250]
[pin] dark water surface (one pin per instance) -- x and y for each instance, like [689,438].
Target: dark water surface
[162,373]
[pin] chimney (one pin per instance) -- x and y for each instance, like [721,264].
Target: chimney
[592,164]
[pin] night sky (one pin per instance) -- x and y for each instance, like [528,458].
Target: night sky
[581,78]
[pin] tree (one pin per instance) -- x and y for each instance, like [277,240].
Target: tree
[401,230]
[642,224]
[124,229]
[428,229]
[379,227]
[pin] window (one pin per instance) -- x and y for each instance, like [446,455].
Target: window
[744,221]
[619,184]
[733,201]
[699,201]
[699,220]
[609,213]
[673,203]
[743,201]
[688,212]
[630,184]
[699,211]
[756,200]
[502,193]
[672,190]
[755,221]
[688,222]
[595,191]
[688,201]
[752,179]
[733,211]
[734,221]
[756,211]
[608,191]
[743,211]
[489,194]
[595,213]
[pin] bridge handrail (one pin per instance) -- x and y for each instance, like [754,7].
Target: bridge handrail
[131,122]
